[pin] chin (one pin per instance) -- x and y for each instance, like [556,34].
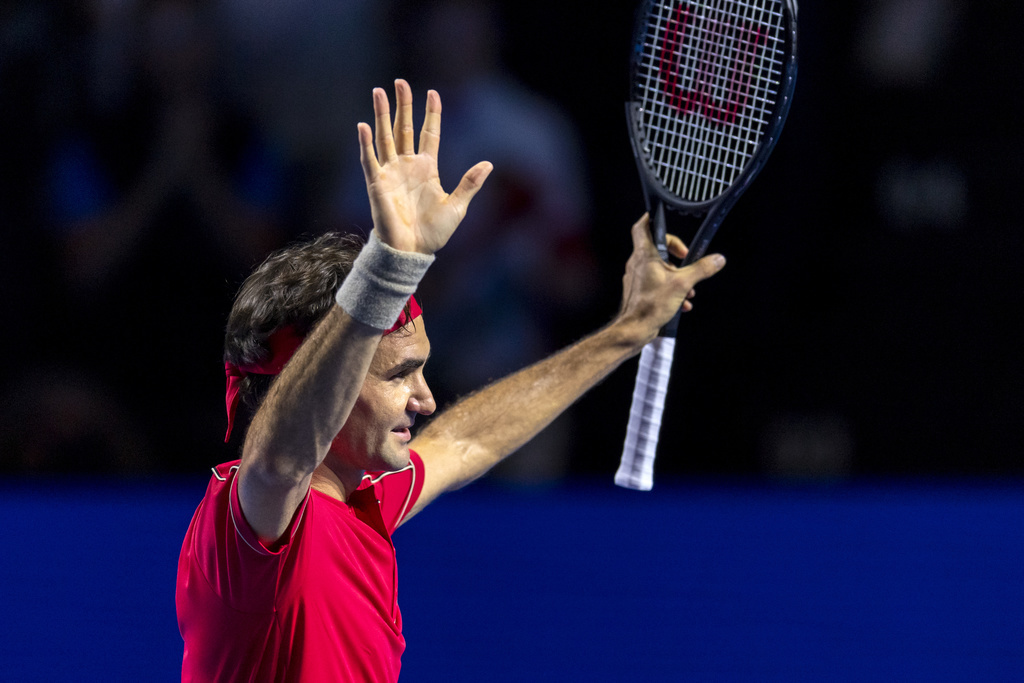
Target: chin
[397,459]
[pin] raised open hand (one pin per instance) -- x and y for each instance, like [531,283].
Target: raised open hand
[411,211]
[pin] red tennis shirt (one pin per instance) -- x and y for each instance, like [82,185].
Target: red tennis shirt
[324,607]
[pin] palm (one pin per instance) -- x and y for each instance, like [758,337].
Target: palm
[410,208]
[411,211]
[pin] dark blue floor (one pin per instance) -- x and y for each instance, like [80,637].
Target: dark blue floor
[586,582]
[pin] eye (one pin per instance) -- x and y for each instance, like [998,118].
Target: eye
[404,370]
[403,373]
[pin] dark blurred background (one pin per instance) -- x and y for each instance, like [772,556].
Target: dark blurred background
[838,492]
[154,151]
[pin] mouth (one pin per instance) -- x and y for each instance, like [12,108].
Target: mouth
[404,431]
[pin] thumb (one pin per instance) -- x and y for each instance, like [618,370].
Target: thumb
[470,184]
[701,269]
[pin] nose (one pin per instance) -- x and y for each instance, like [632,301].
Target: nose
[421,400]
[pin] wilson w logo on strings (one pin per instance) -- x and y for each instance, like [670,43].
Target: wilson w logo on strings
[718,63]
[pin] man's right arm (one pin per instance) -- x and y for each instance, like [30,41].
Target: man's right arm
[310,400]
[292,432]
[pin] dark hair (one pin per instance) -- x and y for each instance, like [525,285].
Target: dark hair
[294,286]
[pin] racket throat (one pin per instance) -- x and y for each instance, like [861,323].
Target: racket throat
[702,240]
[659,231]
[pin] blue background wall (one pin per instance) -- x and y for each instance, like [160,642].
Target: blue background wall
[725,580]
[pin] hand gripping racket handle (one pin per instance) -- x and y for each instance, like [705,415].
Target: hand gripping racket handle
[636,469]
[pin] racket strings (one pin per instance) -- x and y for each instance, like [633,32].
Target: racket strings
[707,81]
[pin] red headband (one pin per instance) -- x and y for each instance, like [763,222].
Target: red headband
[283,343]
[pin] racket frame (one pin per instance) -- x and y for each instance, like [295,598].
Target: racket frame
[656,195]
[636,469]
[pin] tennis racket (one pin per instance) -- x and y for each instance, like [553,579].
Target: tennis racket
[711,84]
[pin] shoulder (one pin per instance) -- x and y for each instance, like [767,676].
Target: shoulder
[225,471]
[219,519]
[222,550]
[219,486]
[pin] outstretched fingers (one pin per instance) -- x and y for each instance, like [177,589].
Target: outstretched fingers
[367,157]
[430,136]
[470,184]
[403,185]
[403,130]
[382,125]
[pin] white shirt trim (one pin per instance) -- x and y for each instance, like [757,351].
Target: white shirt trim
[408,496]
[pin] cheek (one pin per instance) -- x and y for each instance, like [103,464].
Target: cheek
[382,406]
[359,425]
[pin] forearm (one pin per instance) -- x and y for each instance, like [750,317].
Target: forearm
[472,436]
[309,402]
[478,432]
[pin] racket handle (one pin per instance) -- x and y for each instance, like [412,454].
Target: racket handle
[636,469]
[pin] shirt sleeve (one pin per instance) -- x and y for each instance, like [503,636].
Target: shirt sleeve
[224,549]
[249,537]
[399,491]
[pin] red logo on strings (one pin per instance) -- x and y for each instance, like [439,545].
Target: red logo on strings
[713,46]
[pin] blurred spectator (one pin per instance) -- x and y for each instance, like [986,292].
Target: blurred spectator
[32,84]
[306,66]
[159,138]
[511,310]
[161,194]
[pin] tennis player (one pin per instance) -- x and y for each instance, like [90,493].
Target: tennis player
[287,571]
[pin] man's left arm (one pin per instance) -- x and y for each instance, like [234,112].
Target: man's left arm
[479,431]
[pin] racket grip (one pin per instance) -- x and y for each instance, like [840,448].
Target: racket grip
[636,469]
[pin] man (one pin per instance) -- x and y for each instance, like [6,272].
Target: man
[287,571]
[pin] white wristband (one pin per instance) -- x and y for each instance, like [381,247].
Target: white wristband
[381,282]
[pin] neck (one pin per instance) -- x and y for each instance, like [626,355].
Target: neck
[336,482]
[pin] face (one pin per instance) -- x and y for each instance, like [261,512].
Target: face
[377,433]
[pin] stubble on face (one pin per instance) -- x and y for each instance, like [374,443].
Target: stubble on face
[377,433]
